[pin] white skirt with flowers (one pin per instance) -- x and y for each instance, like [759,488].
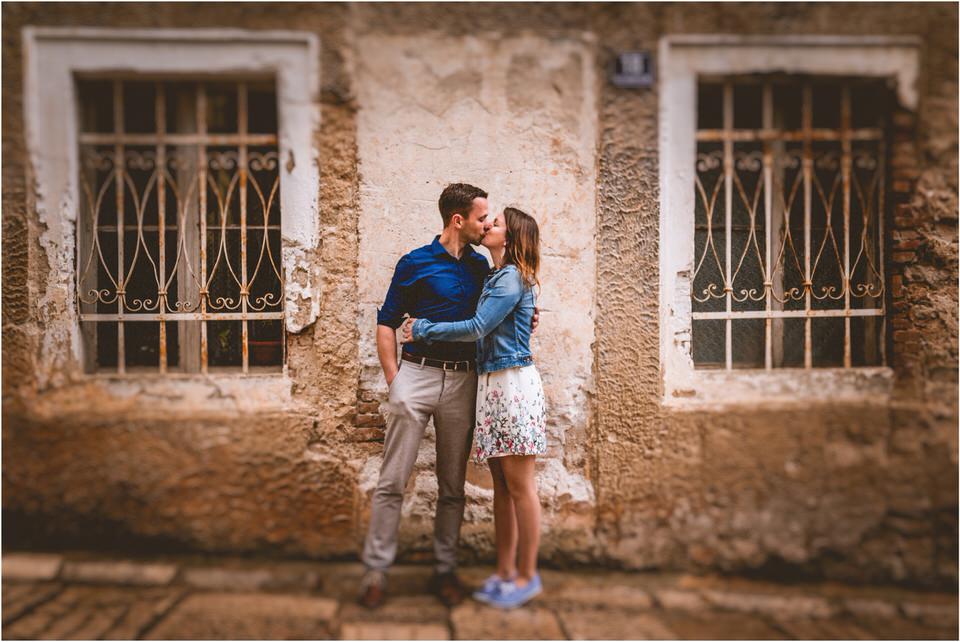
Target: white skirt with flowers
[511,416]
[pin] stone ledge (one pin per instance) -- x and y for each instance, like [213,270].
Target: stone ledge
[679,600]
[779,605]
[118,572]
[281,577]
[31,566]
[938,614]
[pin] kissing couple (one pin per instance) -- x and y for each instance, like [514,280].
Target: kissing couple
[466,362]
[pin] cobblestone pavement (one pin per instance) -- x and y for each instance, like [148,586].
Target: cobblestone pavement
[81,597]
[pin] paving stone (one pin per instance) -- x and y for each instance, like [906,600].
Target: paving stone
[473,621]
[26,598]
[822,629]
[680,600]
[13,592]
[905,629]
[719,626]
[34,623]
[932,613]
[400,608]
[614,624]
[118,572]
[147,607]
[393,631]
[210,616]
[280,576]
[31,566]
[625,597]
[780,605]
[61,627]
[870,607]
[99,622]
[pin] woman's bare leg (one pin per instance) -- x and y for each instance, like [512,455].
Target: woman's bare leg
[519,472]
[504,522]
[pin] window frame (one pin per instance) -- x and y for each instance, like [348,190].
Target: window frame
[54,57]
[683,59]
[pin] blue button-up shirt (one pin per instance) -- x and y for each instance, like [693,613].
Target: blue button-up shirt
[428,283]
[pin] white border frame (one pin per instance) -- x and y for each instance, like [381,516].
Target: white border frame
[51,58]
[682,59]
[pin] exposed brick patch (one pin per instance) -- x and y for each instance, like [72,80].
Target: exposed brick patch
[370,419]
[361,435]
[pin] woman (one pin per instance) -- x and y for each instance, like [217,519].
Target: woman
[510,428]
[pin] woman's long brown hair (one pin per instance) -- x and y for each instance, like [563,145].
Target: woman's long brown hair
[523,244]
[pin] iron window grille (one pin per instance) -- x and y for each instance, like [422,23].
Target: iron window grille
[178,253]
[789,218]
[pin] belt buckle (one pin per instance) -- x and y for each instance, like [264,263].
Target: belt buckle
[445,365]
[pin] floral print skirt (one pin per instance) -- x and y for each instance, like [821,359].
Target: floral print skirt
[511,416]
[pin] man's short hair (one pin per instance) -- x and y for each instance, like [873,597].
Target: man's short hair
[457,198]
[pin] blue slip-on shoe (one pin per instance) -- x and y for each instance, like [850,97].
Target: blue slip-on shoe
[491,586]
[510,596]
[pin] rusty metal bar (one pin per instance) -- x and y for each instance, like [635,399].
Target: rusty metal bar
[242,168]
[202,190]
[881,205]
[224,140]
[807,119]
[160,113]
[845,162]
[118,127]
[184,316]
[767,133]
[790,314]
[768,226]
[170,228]
[728,207]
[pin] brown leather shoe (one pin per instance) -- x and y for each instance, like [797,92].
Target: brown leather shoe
[448,588]
[373,589]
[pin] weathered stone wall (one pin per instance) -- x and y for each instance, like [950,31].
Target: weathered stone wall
[854,491]
[188,462]
[818,488]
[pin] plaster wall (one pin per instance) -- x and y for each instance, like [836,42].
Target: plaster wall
[517,117]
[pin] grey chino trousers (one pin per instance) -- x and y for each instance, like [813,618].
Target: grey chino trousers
[417,393]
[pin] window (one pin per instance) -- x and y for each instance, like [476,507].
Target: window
[789,211]
[773,167]
[178,255]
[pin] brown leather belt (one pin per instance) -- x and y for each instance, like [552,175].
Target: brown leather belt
[459,366]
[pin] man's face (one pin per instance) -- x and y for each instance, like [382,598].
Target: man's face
[474,225]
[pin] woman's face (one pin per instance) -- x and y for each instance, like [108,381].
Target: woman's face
[496,237]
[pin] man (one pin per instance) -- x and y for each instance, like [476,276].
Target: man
[441,282]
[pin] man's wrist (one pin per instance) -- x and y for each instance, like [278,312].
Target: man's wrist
[390,375]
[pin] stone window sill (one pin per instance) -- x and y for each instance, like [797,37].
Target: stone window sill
[703,389]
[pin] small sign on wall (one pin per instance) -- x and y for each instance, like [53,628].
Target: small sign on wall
[632,70]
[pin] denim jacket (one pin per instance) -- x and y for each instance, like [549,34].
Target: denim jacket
[501,327]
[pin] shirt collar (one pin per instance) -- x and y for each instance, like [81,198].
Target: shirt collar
[438,250]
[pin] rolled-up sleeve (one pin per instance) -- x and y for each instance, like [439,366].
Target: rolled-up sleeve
[396,304]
